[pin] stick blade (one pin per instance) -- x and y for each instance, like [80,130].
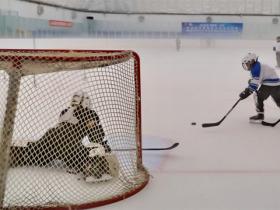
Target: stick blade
[206,125]
[174,145]
[163,148]
[148,149]
[269,124]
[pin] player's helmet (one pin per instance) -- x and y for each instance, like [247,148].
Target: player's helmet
[81,98]
[249,60]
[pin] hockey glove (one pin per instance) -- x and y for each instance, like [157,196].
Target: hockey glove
[244,94]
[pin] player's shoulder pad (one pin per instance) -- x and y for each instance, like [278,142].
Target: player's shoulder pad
[256,70]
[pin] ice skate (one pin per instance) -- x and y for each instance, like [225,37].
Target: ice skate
[257,118]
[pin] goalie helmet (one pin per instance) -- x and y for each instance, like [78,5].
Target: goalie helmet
[81,98]
[249,60]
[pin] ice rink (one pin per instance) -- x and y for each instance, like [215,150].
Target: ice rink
[234,166]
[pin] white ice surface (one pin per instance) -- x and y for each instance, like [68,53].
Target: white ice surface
[235,166]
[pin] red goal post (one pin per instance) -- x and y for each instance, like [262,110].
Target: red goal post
[35,86]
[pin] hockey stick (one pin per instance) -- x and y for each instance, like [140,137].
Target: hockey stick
[206,125]
[270,124]
[148,149]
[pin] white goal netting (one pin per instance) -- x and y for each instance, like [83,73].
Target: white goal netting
[64,114]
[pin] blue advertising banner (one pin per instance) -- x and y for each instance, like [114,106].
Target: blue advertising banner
[211,29]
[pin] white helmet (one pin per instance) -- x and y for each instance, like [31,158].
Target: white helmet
[249,60]
[81,98]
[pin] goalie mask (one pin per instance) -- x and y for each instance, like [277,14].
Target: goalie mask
[81,98]
[249,60]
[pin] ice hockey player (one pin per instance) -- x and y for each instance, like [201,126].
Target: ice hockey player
[64,143]
[276,48]
[264,82]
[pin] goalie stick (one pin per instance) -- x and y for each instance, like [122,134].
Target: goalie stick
[148,149]
[270,124]
[205,125]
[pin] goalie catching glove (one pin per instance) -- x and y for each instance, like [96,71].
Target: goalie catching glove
[244,94]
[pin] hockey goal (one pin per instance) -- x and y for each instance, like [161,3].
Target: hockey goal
[36,85]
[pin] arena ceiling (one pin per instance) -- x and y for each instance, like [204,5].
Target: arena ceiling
[249,7]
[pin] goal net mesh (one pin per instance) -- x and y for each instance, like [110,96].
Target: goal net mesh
[57,150]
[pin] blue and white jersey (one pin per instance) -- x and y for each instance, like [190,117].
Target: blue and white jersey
[263,74]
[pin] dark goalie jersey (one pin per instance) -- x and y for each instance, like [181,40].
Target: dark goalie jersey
[87,123]
[63,142]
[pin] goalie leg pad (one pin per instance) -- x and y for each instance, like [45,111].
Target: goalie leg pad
[18,156]
[96,166]
[101,168]
[114,166]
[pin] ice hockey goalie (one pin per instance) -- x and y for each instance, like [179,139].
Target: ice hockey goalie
[64,143]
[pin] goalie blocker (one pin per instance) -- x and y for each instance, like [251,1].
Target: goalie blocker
[64,143]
